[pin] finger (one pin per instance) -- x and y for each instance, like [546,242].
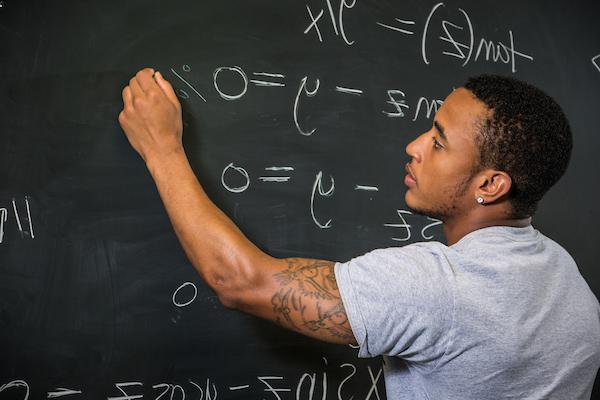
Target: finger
[122,119]
[136,89]
[126,94]
[144,78]
[166,88]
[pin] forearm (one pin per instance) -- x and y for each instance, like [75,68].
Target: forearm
[215,246]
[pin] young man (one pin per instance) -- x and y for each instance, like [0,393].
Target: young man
[500,312]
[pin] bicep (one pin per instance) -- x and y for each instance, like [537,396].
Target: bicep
[302,295]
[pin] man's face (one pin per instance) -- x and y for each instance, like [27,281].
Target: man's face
[442,161]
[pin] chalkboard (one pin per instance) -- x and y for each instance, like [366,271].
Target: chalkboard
[296,118]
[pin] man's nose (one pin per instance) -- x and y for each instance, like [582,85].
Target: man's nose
[413,149]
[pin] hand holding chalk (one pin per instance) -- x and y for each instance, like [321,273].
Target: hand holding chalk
[151,116]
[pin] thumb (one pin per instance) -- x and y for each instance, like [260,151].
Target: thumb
[166,88]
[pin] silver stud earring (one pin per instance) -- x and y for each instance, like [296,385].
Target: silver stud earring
[480,200]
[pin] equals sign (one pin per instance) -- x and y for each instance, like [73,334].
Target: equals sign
[264,82]
[398,29]
[277,179]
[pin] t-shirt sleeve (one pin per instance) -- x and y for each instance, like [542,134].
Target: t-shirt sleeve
[400,301]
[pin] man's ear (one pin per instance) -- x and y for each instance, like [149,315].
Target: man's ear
[493,185]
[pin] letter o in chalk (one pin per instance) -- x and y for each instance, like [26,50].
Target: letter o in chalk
[242,172]
[234,69]
[187,303]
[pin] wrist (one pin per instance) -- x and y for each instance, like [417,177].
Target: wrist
[160,160]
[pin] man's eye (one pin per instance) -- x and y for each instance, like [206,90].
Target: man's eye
[436,145]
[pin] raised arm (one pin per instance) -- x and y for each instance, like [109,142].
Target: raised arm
[299,294]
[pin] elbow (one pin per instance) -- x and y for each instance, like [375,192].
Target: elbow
[236,295]
[229,301]
[227,289]
[236,286]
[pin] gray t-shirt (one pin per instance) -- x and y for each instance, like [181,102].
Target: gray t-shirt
[502,314]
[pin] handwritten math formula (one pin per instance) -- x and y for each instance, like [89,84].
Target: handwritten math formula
[458,34]
[310,385]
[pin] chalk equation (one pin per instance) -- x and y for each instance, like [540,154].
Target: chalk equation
[322,187]
[458,35]
[310,385]
[22,218]
[394,101]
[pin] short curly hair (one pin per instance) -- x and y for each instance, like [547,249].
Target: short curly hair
[526,134]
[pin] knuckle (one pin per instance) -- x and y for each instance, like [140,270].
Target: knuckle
[122,118]
[138,102]
[152,95]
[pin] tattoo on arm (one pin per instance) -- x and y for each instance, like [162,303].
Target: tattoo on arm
[308,300]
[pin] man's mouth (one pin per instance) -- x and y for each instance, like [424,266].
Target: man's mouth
[409,179]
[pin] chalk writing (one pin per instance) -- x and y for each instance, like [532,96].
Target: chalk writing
[237,70]
[403,225]
[307,93]
[310,385]
[176,294]
[461,40]
[269,83]
[61,392]
[407,228]
[401,30]
[172,391]
[125,385]
[266,380]
[314,22]
[3,219]
[398,103]
[209,392]
[596,62]
[366,188]
[435,222]
[277,179]
[356,92]
[182,93]
[242,172]
[431,107]
[23,219]
[374,379]
[337,20]
[347,378]
[322,192]
[396,98]
[16,384]
[239,387]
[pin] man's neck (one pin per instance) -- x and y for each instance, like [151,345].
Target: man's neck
[454,230]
